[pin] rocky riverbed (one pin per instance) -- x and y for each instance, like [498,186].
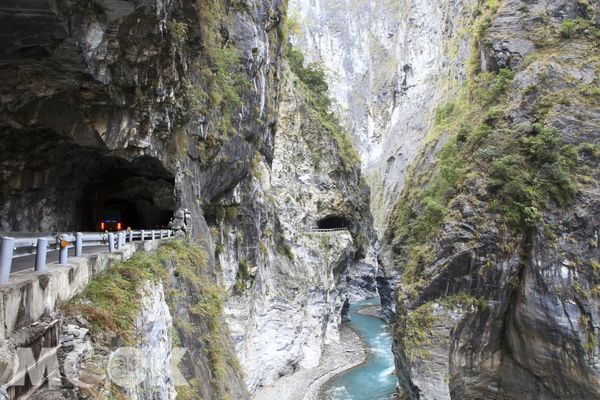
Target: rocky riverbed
[306,384]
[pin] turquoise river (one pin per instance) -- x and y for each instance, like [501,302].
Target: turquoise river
[373,380]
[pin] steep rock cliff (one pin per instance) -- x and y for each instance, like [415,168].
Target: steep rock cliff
[496,231]
[145,107]
[149,327]
[288,281]
[388,66]
[149,107]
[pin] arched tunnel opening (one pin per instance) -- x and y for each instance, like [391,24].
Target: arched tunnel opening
[333,222]
[133,201]
[49,184]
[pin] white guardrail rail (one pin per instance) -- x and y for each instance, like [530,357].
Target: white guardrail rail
[326,230]
[21,245]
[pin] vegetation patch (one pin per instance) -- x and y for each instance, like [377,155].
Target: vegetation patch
[218,82]
[244,276]
[111,301]
[204,300]
[111,304]
[521,167]
[314,86]
[416,338]
[515,171]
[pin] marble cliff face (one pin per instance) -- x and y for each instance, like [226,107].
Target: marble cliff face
[156,106]
[494,288]
[471,211]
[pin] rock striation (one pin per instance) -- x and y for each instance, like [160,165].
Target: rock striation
[490,269]
[288,280]
[156,106]
[496,298]
[388,66]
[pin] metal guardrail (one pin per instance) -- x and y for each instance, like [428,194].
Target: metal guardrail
[317,230]
[15,247]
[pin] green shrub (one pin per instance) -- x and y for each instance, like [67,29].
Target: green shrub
[179,31]
[416,337]
[243,275]
[313,80]
[220,71]
[579,27]
[444,112]
[537,169]
[312,76]
[567,28]
[111,301]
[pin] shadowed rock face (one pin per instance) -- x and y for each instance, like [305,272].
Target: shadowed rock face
[95,111]
[497,311]
[74,80]
[99,107]
[51,184]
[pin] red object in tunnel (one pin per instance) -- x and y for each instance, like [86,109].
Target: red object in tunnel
[110,221]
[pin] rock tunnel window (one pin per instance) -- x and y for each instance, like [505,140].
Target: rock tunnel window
[49,184]
[118,201]
[333,222]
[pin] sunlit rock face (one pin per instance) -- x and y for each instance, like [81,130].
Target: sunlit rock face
[532,331]
[289,282]
[388,68]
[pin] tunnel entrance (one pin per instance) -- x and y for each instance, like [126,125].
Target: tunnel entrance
[49,184]
[333,222]
[135,201]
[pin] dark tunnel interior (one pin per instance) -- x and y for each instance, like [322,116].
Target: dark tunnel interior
[333,222]
[136,201]
[48,184]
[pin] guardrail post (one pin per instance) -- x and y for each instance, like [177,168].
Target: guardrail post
[142,235]
[111,242]
[169,233]
[130,236]
[78,244]
[63,255]
[7,246]
[153,235]
[120,240]
[40,254]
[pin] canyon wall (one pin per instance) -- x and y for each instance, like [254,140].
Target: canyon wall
[495,232]
[478,128]
[151,107]
[389,65]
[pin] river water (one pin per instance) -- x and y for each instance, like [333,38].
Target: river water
[372,380]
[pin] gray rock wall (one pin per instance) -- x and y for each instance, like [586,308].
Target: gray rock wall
[288,283]
[388,66]
[162,106]
[501,310]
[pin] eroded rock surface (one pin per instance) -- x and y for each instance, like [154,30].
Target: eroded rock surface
[489,308]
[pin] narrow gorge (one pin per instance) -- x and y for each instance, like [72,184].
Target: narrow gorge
[300,199]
